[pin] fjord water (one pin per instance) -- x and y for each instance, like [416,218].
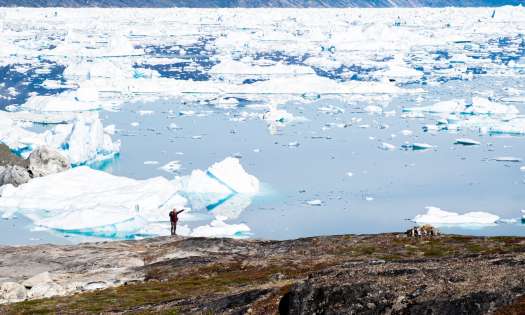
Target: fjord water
[385,187]
[329,118]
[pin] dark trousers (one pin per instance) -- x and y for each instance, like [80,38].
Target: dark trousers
[173,228]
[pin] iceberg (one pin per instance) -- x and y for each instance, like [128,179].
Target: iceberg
[82,141]
[225,188]
[439,217]
[91,202]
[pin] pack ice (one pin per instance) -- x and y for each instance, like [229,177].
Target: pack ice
[91,202]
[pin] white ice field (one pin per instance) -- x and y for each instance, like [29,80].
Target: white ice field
[266,123]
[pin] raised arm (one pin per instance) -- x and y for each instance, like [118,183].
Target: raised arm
[180,211]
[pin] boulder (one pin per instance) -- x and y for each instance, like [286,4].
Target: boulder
[45,161]
[45,290]
[40,278]
[14,175]
[11,292]
[422,231]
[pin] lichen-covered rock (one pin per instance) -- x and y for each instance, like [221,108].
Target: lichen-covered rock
[45,161]
[11,292]
[14,175]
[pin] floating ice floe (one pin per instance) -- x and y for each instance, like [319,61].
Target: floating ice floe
[71,101]
[315,202]
[478,106]
[387,146]
[151,162]
[439,217]
[417,146]
[171,167]
[278,118]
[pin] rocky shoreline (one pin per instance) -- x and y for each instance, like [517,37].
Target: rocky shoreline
[371,274]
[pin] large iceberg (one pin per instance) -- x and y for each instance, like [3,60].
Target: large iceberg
[439,217]
[90,202]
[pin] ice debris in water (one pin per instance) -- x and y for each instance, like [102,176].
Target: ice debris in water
[151,162]
[478,106]
[89,202]
[387,146]
[436,216]
[171,167]
[417,146]
[508,159]
[466,141]
[315,202]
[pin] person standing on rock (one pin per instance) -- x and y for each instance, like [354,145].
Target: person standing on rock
[174,218]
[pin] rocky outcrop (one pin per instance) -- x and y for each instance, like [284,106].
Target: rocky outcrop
[9,158]
[41,162]
[361,274]
[46,161]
